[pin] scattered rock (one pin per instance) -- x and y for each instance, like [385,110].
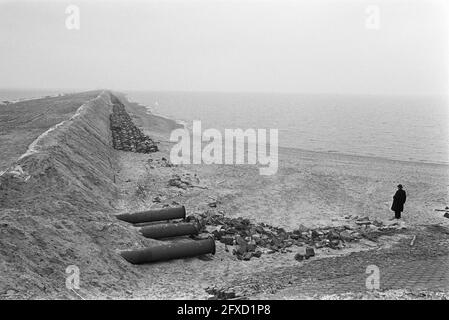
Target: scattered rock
[363,221]
[346,236]
[333,235]
[248,237]
[299,257]
[334,243]
[176,181]
[310,252]
[184,182]
[295,236]
[165,163]
[217,294]
[315,234]
[212,204]
[378,223]
[252,247]
[227,240]
[305,253]
[302,229]
[246,256]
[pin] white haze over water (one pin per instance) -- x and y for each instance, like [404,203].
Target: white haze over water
[410,128]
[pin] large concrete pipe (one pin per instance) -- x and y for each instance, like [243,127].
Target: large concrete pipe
[167,230]
[168,251]
[154,215]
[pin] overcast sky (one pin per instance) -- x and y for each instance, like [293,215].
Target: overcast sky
[309,46]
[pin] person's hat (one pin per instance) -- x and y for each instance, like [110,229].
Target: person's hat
[400,186]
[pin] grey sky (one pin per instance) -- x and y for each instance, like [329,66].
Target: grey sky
[270,46]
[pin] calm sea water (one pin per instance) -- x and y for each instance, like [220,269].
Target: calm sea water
[411,128]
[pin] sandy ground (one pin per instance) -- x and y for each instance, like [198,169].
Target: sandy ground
[65,214]
[310,188]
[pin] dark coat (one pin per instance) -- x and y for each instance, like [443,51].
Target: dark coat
[398,201]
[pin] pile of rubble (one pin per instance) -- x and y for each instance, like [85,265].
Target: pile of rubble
[185,181]
[252,240]
[125,135]
[163,162]
[177,181]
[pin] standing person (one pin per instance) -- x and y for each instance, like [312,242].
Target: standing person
[398,202]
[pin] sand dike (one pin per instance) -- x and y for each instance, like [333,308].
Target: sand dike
[74,156]
[55,211]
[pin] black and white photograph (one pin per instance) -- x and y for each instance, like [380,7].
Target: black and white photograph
[246,151]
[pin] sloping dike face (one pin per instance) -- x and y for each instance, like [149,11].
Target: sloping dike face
[73,159]
[56,211]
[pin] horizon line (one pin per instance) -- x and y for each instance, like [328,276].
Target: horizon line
[71,89]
